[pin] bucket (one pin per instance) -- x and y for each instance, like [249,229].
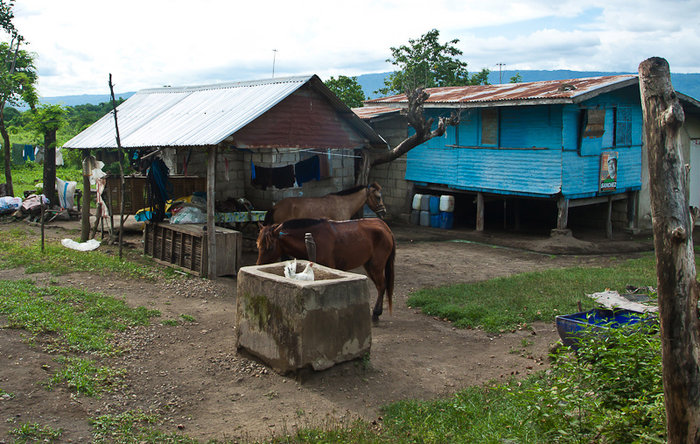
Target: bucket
[416,201]
[447,203]
[414,219]
[446,220]
[435,220]
[434,205]
[425,202]
[425,218]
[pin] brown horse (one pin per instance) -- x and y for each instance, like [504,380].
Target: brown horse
[336,206]
[343,245]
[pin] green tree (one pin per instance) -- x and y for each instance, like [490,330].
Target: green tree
[47,120]
[17,79]
[347,89]
[517,78]
[427,63]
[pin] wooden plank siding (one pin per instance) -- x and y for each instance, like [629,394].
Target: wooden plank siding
[538,152]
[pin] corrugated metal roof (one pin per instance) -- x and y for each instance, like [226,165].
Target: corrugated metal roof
[369,112]
[550,91]
[197,116]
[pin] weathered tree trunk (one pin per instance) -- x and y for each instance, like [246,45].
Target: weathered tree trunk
[50,168]
[675,262]
[423,133]
[7,151]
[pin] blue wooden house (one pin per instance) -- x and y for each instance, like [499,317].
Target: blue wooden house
[574,142]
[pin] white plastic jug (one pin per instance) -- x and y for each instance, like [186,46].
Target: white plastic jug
[447,203]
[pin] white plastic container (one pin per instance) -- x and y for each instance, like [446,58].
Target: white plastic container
[416,201]
[447,203]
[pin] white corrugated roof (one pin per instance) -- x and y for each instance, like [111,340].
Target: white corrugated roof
[189,116]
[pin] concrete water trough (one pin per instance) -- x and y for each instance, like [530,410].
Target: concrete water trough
[291,324]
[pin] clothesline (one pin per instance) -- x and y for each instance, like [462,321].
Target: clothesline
[329,153]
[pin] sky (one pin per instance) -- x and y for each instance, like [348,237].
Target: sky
[154,43]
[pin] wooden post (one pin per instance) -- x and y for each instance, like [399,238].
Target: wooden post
[562,213]
[479,212]
[85,215]
[673,243]
[632,209]
[211,217]
[608,220]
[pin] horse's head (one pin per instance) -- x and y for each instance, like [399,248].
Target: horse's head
[374,199]
[268,244]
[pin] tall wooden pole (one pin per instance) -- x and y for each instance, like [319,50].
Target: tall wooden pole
[121,169]
[85,216]
[675,260]
[211,217]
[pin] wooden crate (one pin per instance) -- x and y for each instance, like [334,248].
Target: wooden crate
[135,190]
[184,246]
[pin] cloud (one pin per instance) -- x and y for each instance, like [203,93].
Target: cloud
[150,43]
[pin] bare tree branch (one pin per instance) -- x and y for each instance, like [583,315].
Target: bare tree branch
[422,127]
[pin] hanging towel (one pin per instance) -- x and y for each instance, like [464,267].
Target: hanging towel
[283,177]
[262,177]
[307,170]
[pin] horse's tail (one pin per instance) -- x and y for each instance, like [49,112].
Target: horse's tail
[269,217]
[389,273]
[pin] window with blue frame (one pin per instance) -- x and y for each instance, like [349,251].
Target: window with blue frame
[489,126]
[622,116]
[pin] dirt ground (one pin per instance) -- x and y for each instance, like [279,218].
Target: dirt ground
[192,375]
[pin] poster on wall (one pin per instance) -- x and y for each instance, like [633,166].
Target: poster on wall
[608,171]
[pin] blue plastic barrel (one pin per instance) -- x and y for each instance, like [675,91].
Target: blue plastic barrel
[446,220]
[434,205]
[435,220]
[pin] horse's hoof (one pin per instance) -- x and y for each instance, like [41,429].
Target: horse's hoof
[375,318]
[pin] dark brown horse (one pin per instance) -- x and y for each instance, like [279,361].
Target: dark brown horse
[336,206]
[343,245]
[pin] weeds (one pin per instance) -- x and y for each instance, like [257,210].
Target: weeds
[133,426]
[84,377]
[78,321]
[33,432]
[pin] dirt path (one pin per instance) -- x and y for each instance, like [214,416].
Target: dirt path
[192,375]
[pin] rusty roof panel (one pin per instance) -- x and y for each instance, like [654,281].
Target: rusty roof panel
[552,91]
[369,112]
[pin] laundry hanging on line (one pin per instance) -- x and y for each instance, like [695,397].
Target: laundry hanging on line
[286,176]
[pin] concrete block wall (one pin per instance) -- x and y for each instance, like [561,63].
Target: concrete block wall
[396,191]
[230,174]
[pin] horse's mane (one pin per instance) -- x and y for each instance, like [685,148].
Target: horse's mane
[349,191]
[300,223]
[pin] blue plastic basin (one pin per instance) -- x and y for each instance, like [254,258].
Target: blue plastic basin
[598,320]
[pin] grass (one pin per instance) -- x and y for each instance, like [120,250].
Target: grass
[84,377]
[133,426]
[34,432]
[69,320]
[509,303]
[19,248]
[25,177]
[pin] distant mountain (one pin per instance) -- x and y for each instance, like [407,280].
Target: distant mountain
[83,99]
[688,84]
